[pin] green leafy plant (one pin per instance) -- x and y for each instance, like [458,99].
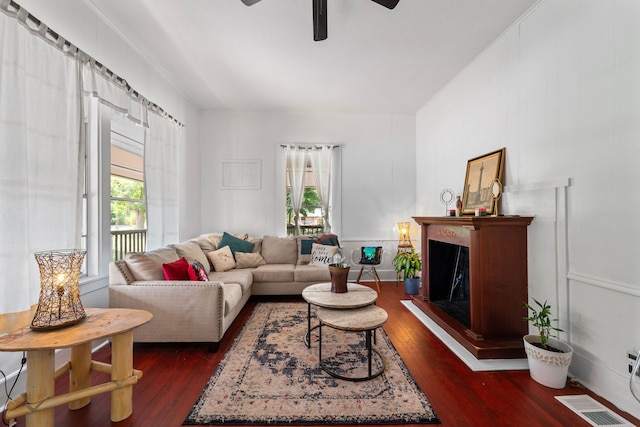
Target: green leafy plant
[541,318]
[408,263]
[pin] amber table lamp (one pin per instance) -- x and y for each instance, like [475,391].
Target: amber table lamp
[404,240]
[59,304]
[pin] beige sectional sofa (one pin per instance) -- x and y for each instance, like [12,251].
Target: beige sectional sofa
[202,311]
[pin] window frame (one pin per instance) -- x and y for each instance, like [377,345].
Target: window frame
[126,137]
[97,197]
[97,186]
[335,205]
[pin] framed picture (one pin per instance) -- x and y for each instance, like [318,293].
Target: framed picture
[241,175]
[481,174]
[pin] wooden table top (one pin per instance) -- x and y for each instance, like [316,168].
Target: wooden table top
[357,319]
[99,323]
[356,296]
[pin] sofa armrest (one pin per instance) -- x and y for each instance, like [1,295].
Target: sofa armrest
[183,311]
[119,273]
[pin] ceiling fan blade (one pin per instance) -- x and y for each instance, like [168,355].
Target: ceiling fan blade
[250,2]
[319,20]
[387,3]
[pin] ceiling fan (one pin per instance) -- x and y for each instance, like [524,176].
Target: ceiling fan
[320,15]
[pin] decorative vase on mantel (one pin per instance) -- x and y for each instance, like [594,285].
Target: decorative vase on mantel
[339,273]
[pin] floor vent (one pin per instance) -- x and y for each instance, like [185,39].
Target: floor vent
[593,412]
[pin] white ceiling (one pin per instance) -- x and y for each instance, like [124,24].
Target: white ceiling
[227,56]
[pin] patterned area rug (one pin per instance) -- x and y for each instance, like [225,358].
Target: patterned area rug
[269,376]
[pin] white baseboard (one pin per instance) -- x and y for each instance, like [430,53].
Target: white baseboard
[462,353]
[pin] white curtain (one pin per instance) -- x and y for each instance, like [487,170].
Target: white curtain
[296,166]
[111,91]
[161,151]
[39,167]
[161,181]
[321,165]
[42,80]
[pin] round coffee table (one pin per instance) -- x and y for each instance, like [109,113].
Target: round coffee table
[365,319]
[320,295]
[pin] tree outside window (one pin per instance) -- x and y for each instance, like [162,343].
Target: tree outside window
[128,210]
[310,213]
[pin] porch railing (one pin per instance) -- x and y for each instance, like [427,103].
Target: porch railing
[127,241]
[305,230]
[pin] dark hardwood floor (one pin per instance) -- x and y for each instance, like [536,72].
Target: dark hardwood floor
[174,376]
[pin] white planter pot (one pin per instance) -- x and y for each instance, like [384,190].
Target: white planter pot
[548,368]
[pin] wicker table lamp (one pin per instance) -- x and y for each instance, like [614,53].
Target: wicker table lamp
[59,304]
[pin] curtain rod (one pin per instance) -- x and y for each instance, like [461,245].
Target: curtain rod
[61,43]
[309,145]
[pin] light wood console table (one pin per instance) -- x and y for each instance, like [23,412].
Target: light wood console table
[39,401]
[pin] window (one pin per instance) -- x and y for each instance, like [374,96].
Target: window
[114,153]
[311,173]
[128,207]
[311,210]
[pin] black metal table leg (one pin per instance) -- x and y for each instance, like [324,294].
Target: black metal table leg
[371,353]
[368,344]
[320,341]
[308,337]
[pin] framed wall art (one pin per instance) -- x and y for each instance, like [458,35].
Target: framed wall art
[482,172]
[241,175]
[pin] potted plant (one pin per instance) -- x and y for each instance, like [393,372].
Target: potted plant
[548,357]
[409,263]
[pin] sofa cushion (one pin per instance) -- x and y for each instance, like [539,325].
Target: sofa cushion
[222,259]
[242,277]
[305,244]
[207,242]
[192,252]
[279,250]
[235,244]
[148,265]
[311,273]
[251,260]
[273,273]
[232,296]
[179,270]
[322,254]
[257,244]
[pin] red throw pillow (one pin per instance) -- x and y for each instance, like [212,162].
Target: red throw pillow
[179,270]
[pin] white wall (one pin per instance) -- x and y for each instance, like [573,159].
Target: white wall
[561,91]
[378,171]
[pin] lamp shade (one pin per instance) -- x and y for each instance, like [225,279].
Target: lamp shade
[59,304]
[404,229]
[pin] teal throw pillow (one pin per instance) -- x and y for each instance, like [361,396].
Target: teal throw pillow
[235,244]
[305,246]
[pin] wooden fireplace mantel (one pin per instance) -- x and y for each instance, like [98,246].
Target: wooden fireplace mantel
[497,281]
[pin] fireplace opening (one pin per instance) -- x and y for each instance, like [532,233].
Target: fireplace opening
[449,280]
